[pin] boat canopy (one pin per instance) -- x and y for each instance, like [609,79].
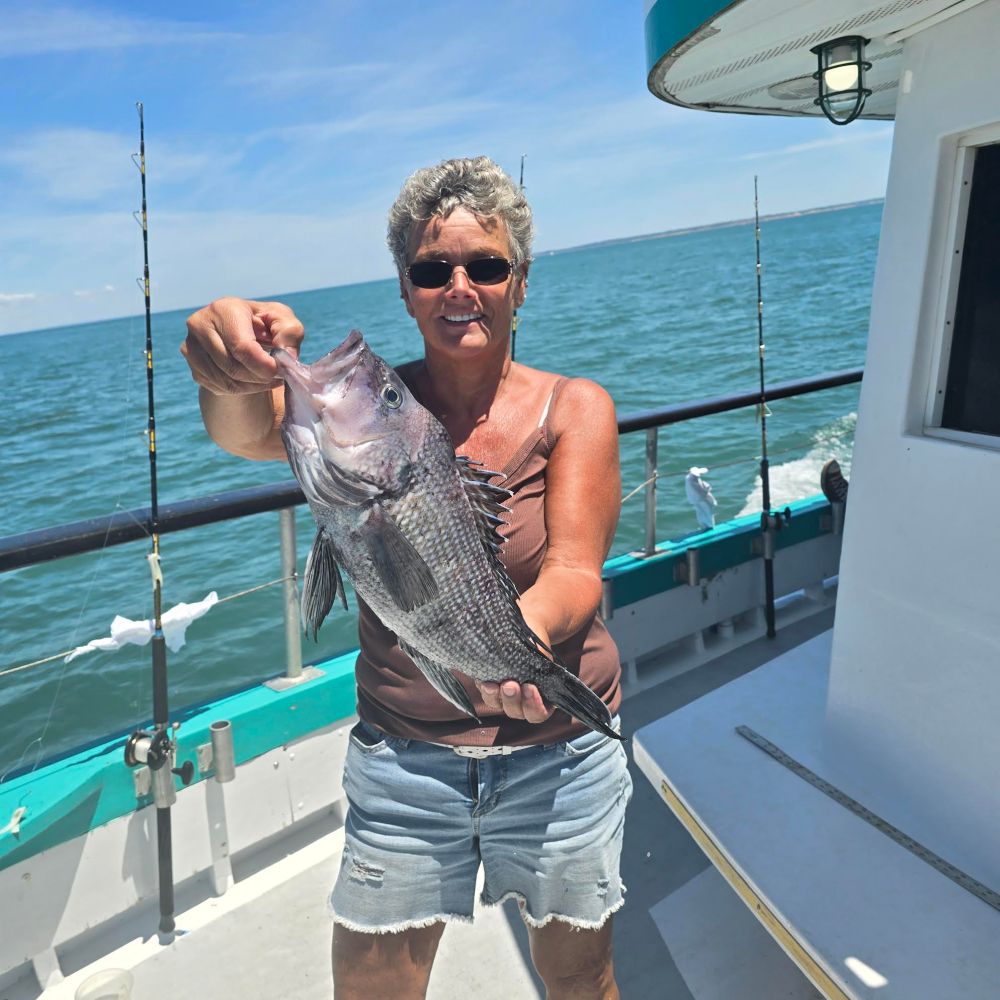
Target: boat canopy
[754,56]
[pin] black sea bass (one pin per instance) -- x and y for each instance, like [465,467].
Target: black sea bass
[415,529]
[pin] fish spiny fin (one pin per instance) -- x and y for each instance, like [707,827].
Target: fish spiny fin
[443,681]
[486,497]
[322,583]
[487,502]
[488,510]
[406,577]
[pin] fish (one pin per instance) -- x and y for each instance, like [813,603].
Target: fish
[415,528]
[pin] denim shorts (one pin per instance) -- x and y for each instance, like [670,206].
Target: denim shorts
[545,823]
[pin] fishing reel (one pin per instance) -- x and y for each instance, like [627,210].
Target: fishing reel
[156,750]
[775,520]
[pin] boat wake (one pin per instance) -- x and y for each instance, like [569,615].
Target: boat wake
[799,477]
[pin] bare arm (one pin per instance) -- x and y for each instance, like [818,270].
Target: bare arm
[582,501]
[242,400]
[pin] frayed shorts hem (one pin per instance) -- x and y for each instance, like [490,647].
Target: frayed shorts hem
[403,925]
[578,923]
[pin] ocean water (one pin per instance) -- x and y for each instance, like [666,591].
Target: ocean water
[655,321]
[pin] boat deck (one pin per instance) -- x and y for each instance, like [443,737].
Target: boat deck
[269,935]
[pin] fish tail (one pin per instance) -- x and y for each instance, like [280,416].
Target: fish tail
[568,692]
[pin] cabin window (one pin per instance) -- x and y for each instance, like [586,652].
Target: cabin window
[971,386]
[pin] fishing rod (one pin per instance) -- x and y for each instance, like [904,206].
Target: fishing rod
[769,522]
[513,322]
[156,749]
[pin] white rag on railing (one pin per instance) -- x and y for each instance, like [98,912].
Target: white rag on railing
[124,630]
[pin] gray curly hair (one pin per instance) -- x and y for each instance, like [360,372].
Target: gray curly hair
[476,184]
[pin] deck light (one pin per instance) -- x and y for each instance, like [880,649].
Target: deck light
[841,77]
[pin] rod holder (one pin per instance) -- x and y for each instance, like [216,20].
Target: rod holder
[163,787]
[649,545]
[837,508]
[293,628]
[607,600]
[689,571]
[693,559]
[223,756]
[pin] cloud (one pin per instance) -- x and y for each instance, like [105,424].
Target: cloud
[11,297]
[840,139]
[32,30]
[197,257]
[389,122]
[86,165]
[281,83]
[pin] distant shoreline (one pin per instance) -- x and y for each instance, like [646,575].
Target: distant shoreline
[641,238]
[709,226]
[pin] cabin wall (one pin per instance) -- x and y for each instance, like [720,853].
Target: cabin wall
[914,696]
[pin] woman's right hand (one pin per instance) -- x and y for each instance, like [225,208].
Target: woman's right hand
[227,341]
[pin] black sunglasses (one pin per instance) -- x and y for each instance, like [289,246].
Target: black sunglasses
[481,271]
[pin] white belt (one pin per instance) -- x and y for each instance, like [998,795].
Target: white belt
[479,752]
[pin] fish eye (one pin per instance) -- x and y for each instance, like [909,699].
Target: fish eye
[391,396]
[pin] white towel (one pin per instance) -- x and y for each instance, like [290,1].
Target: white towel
[124,630]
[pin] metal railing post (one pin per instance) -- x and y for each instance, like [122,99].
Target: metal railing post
[293,634]
[651,440]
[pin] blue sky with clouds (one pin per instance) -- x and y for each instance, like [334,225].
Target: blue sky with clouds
[277,135]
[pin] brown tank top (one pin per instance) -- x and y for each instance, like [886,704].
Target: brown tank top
[394,695]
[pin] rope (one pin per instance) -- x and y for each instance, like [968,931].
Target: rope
[252,590]
[651,479]
[221,600]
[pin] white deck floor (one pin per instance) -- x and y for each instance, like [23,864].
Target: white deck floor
[269,936]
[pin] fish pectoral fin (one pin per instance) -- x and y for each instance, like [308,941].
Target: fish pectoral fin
[443,681]
[402,570]
[322,583]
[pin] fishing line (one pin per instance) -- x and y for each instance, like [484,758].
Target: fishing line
[769,523]
[98,565]
[66,652]
[40,739]
[514,320]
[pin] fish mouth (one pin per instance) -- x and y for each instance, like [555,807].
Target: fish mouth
[309,382]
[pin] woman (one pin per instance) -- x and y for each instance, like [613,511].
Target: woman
[531,796]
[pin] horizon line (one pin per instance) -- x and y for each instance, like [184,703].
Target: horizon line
[705,227]
[614,241]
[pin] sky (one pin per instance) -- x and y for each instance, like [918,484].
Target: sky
[278,134]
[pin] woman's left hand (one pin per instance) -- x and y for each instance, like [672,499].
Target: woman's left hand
[518,701]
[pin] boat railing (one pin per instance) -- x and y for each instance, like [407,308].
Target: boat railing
[33,547]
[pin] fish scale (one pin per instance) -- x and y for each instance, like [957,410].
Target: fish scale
[414,528]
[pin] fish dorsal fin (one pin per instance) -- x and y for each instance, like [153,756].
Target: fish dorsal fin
[405,575]
[487,501]
[488,507]
[443,680]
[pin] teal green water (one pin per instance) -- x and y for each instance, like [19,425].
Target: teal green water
[655,321]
